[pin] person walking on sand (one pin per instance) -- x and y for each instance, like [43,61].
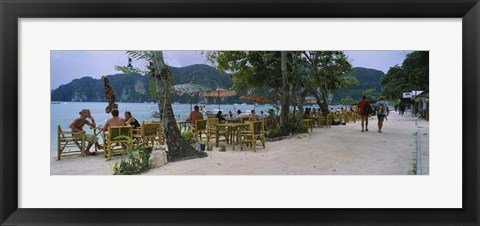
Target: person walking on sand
[365,110]
[77,126]
[381,108]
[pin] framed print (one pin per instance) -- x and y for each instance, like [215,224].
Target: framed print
[310,162]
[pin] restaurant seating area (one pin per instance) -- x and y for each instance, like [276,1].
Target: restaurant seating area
[248,132]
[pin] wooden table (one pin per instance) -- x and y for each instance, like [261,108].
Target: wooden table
[234,120]
[99,128]
[183,125]
[232,130]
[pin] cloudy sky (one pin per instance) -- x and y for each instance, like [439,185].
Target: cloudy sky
[69,65]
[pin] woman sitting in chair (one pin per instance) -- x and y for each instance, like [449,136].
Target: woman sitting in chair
[130,120]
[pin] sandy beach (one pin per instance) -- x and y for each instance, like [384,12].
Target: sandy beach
[340,150]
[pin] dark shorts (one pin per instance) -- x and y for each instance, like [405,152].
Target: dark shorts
[381,117]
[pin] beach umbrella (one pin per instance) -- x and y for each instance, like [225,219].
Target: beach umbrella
[191,89]
[218,93]
[109,95]
[255,98]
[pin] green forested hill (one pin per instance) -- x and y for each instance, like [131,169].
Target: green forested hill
[134,88]
[367,79]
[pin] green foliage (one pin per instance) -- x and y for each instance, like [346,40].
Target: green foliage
[152,88]
[138,159]
[411,75]
[348,100]
[223,147]
[209,147]
[188,136]
[369,93]
[367,79]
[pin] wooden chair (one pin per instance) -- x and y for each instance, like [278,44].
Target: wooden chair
[70,139]
[325,120]
[247,118]
[255,132]
[121,144]
[137,135]
[152,132]
[212,129]
[200,126]
[309,123]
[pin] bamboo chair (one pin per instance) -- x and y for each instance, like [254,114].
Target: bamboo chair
[120,144]
[255,132]
[137,135]
[70,139]
[309,123]
[326,120]
[200,126]
[152,132]
[212,129]
[248,118]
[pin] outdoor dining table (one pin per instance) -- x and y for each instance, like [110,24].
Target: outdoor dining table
[232,128]
[233,120]
[183,125]
[97,130]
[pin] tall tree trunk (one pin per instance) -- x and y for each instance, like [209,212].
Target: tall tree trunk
[321,102]
[178,148]
[286,89]
[303,96]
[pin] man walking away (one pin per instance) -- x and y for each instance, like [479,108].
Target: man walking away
[381,108]
[365,109]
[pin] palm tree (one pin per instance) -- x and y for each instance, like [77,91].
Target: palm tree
[178,148]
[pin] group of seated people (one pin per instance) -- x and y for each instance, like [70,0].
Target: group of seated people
[77,126]
[197,115]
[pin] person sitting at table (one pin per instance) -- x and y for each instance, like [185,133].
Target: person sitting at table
[230,114]
[77,126]
[220,117]
[262,115]
[195,115]
[130,120]
[114,121]
[253,114]
[239,113]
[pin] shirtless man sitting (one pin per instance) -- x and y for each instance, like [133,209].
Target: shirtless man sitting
[114,121]
[77,126]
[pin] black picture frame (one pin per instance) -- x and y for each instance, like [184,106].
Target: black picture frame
[11,11]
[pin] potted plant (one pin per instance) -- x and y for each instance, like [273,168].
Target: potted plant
[189,136]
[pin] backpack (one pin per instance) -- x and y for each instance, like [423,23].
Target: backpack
[381,109]
[367,109]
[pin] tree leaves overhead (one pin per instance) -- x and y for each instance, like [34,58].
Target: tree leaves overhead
[413,74]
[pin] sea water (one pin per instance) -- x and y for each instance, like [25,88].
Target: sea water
[64,113]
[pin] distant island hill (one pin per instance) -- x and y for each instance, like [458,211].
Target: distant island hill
[134,88]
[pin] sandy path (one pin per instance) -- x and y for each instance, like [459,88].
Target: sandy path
[340,150]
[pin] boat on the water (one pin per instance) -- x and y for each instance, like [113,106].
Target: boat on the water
[154,113]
